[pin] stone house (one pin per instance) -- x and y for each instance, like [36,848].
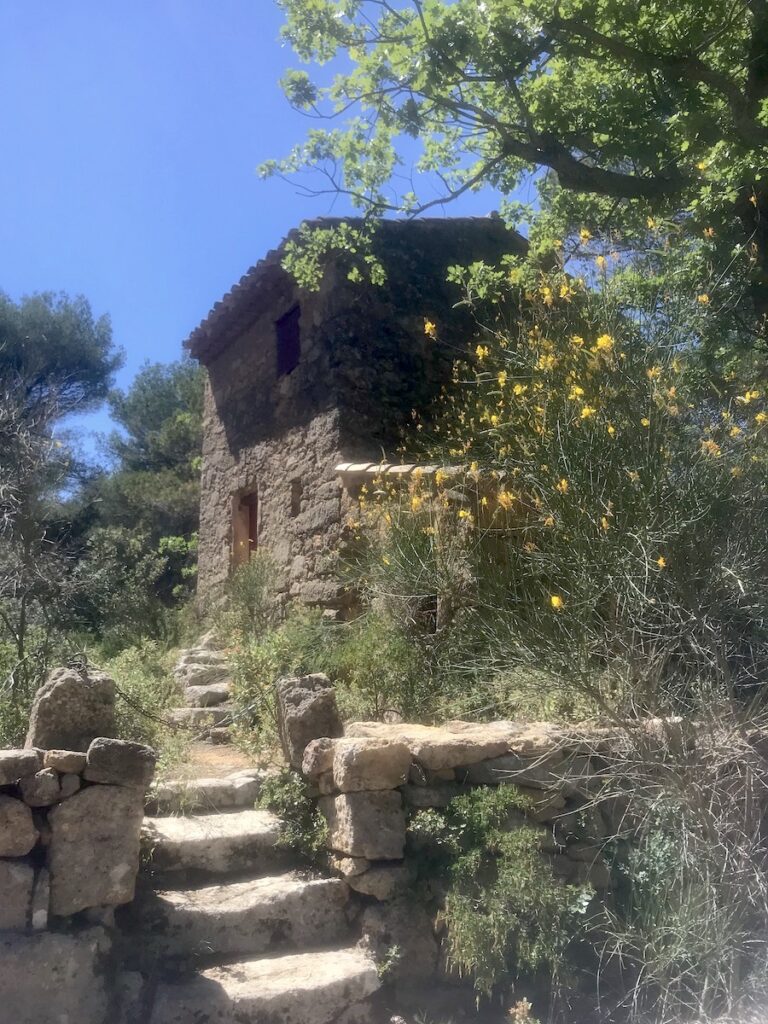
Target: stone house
[304,389]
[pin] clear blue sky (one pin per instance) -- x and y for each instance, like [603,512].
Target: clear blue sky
[131,133]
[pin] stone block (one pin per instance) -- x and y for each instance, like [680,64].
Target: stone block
[431,796]
[17,830]
[358,765]
[370,825]
[404,924]
[16,881]
[306,709]
[53,978]
[42,789]
[93,855]
[69,785]
[120,763]
[437,749]
[348,867]
[382,881]
[71,709]
[536,773]
[65,761]
[18,764]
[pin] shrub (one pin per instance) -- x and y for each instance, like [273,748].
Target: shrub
[303,826]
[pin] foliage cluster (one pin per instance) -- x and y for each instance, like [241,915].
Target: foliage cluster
[303,826]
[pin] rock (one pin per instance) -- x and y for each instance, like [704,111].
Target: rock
[41,900]
[348,867]
[197,675]
[18,764]
[435,749]
[404,924]
[71,709]
[94,849]
[206,696]
[16,881]
[306,711]
[65,761]
[129,993]
[370,825]
[382,881]
[174,797]
[17,831]
[358,765]
[42,789]
[431,796]
[54,978]
[536,773]
[120,763]
[69,785]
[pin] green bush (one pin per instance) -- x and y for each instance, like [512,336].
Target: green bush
[506,915]
[303,826]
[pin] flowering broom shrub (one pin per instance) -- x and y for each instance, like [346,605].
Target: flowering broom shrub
[596,505]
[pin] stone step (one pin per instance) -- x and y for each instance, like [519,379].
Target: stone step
[251,917]
[305,988]
[207,696]
[202,675]
[220,844]
[202,718]
[189,796]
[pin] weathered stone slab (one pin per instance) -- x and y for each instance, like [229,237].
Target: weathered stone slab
[348,866]
[431,796]
[52,978]
[94,848]
[17,830]
[120,763]
[71,709]
[537,773]
[370,825]
[69,785]
[306,709]
[18,764]
[65,761]
[207,696]
[382,881]
[16,881]
[42,789]
[358,765]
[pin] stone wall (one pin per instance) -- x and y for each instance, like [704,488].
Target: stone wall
[70,824]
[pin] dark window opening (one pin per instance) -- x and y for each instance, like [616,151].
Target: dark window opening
[296,493]
[288,338]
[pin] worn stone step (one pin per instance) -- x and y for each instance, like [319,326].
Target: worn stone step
[202,675]
[189,796]
[202,718]
[303,988]
[207,696]
[256,916]
[216,843]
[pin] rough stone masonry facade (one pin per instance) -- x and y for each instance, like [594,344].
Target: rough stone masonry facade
[277,422]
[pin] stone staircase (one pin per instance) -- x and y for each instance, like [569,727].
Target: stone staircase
[227,928]
[204,676]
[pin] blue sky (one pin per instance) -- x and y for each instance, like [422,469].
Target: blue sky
[131,134]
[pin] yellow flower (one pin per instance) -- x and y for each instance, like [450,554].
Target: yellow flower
[747,397]
[430,329]
[611,429]
[761,417]
[566,292]
[502,378]
[416,502]
[633,475]
[587,411]
[464,514]
[653,372]
[484,502]
[546,294]
[600,261]
[482,352]
[576,392]
[645,422]
[585,235]
[702,166]
[604,343]
[556,601]
[505,499]
[710,447]
[735,431]
[577,341]
[562,486]
[440,477]
[703,299]
[529,546]
[549,521]
[737,471]
[652,223]
[474,468]
[385,560]
[519,389]
[546,362]
[494,420]
[661,562]
[605,523]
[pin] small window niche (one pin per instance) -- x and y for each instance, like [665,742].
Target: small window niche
[297,490]
[245,528]
[288,341]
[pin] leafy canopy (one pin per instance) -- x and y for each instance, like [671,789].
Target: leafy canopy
[626,112]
